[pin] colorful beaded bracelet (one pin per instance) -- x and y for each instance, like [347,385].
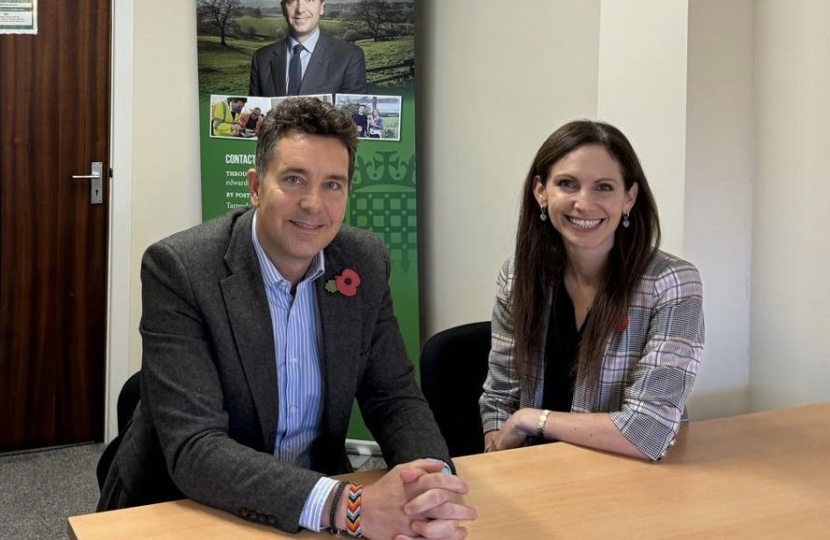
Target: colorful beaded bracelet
[353,510]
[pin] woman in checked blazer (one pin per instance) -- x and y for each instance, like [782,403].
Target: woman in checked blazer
[596,333]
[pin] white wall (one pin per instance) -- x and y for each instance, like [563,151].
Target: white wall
[676,77]
[642,91]
[790,258]
[494,82]
[166,185]
[119,271]
[720,161]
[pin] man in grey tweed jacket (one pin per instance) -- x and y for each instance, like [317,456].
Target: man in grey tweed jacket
[212,424]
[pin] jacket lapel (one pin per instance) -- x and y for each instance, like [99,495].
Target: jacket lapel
[250,319]
[340,324]
[278,63]
[314,76]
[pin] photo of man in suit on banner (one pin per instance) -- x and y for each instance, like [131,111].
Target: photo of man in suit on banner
[307,61]
[246,47]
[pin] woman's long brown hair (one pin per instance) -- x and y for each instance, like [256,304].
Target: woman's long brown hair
[540,253]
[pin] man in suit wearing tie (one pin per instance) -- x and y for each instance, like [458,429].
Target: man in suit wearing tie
[307,61]
[259,329]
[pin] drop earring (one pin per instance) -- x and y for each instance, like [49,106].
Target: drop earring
[626,224]
[544,214]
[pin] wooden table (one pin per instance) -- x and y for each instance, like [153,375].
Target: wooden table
[753,477]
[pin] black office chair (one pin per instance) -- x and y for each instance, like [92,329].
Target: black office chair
[453,368]
[128,400]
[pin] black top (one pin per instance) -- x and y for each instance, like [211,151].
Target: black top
[252,122]
[561,347]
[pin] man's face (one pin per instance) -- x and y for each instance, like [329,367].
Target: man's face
[236,106]
[303,16]
[361,110]
[256,112]
[301,201]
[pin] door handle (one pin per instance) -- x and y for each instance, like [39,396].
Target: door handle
[96,186]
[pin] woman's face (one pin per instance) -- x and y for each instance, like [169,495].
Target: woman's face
[376,113]
[585,197]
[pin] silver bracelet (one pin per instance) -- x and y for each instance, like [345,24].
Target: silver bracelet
[540,427]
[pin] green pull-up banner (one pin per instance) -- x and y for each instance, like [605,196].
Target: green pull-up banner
[363,61]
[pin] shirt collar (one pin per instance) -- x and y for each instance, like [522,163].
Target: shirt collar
[309,44]
[271,275]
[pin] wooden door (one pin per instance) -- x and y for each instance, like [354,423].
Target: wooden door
[54,106]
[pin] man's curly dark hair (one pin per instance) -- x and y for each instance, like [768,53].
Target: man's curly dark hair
[304,115]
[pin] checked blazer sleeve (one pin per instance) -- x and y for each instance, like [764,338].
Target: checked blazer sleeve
[660,381]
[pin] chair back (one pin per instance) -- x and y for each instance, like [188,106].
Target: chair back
[453,369]
[128,400]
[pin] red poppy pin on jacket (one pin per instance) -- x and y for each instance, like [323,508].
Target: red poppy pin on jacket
[345,284]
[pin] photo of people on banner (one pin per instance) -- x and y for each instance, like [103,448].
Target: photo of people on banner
[238,117]
[375,117]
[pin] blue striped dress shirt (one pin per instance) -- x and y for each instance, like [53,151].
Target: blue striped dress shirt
[295,322]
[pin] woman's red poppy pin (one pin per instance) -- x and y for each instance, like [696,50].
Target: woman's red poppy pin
[622,326]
